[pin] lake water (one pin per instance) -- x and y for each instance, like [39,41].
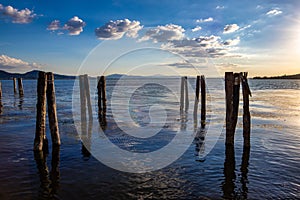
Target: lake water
[270,170]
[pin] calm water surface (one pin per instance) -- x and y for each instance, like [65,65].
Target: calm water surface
[270,170]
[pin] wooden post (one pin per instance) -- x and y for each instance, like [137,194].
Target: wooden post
[1,106]
[15,85]
[246,112]
[52,116]
[99,85]
[236,99]
[196,102]
[40,131]
[182,94]
[103,92]
[186,94]
[20,86]
[229,80]
[203,101]
[87,95]
[82,99]
[229,173]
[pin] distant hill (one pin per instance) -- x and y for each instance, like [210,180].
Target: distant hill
[296,76]
[29,75]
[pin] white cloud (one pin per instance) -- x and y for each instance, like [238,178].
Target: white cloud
[220,7]
[24,16]
[165,33]
[233,42]
[114,30]
[230,28]
[210,19]
[274,12]
[74,26]
[15,64]
[197,28]
[54,25]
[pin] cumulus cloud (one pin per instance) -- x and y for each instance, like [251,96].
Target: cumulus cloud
[274,12]
[230,28]
[233,42]
[74,25]
[210,19]
[197,28]
[15,64]
[54,25]
[24,16]
[165,33]
[114,30]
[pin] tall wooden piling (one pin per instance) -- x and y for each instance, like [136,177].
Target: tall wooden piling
[15,85]
[20,86]
[53,123]
[236,99]
[82,99]
[229,81]
[40,131]
[203,101]
[99,95]
[246,112]
[182,93]
[1,106]
[103,92]
[186,91]
[197,91]
[87,95]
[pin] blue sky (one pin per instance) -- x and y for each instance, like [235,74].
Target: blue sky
[259,36]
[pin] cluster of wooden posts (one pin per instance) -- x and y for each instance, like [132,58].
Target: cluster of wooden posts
[232,89]
[20,87]
[46,95]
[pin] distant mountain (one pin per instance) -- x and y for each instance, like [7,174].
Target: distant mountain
[296,76]
[29,75]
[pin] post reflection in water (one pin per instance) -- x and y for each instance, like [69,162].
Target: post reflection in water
[21,101]
[200,133]
[230,189]
[183,120]
[49,185]
[86,134]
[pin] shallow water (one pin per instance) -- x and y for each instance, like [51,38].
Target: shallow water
[269,171]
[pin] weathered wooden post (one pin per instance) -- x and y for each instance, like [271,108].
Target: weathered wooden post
[229,80]
[99,85]
[236,99]
[53,123]
[203,101]
[82,99]
[182,94]
[20,86]
[1,106]
[186,94]
[15,85]
[87,95]
[103,93]
[246,112]
[40,131]
[196,102]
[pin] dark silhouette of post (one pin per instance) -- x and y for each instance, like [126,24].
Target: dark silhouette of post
[203,101]
[196,102]
[40,131]
[186,99]
[54,173]
[52,115]
[82,99]
[182,94]
[246,112]
[229,80]
[236,99]
[87,95]
[1,105]
[15,85]
[244,171]
[101,87]
[20,86]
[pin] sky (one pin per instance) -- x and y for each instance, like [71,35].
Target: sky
[151,37]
